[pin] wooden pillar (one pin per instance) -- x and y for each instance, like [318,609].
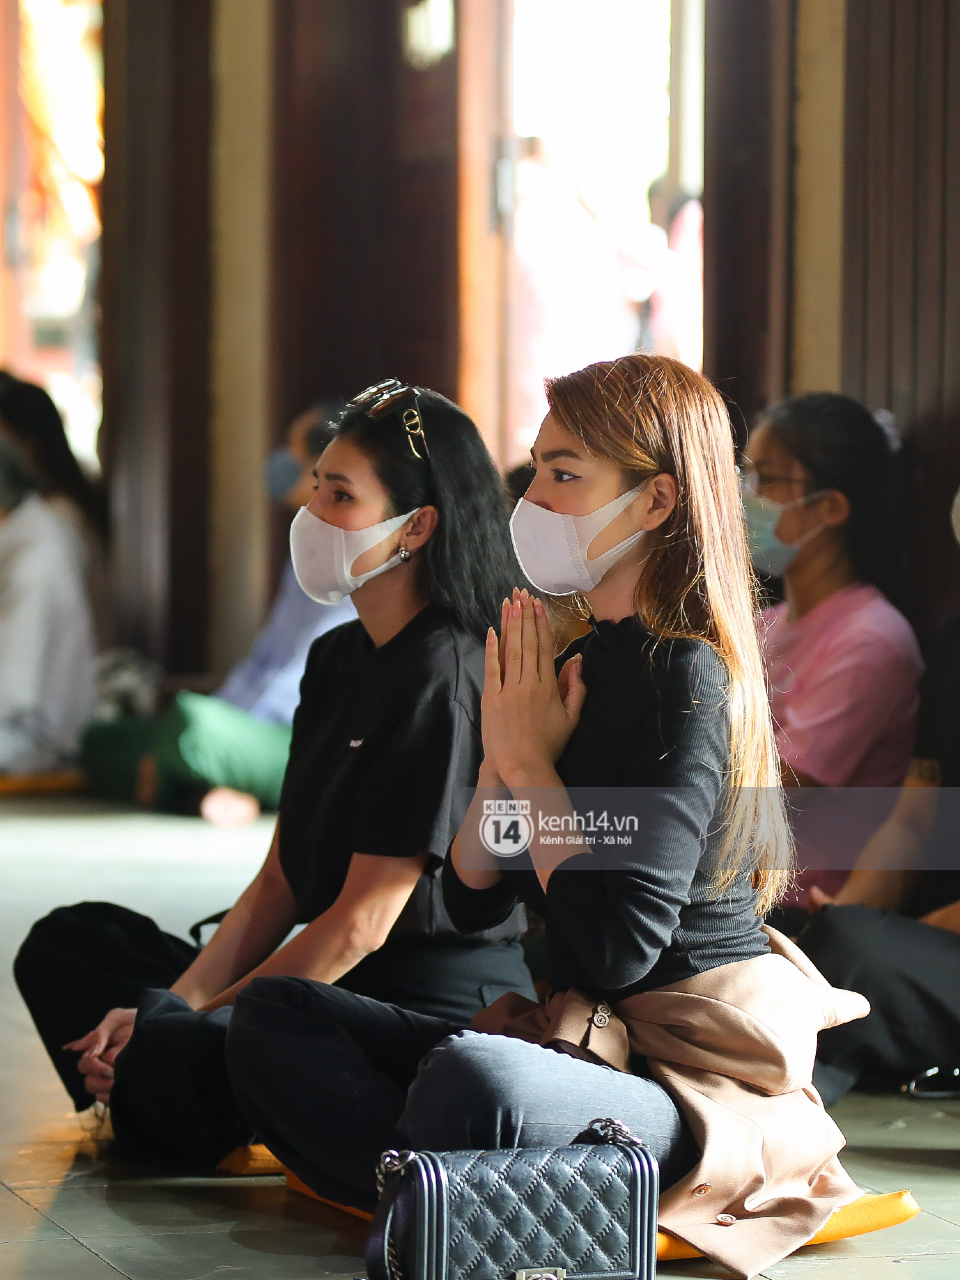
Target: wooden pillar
[901,323]
[241,146]
[365,204]
[485,165]
[818,217]
[747,199]
[155,298]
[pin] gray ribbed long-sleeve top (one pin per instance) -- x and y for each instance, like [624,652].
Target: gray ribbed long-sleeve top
[655,716]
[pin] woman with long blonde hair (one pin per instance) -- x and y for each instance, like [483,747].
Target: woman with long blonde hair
[656,945]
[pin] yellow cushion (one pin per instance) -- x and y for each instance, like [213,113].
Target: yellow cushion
[248,1162]
[869,1213]
[26,784]
[294,1183]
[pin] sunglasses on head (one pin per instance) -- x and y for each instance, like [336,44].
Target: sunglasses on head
[392,396]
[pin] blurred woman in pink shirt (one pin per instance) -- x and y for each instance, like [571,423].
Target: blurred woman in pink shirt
[843,664]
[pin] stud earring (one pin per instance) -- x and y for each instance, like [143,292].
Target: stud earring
[404,554]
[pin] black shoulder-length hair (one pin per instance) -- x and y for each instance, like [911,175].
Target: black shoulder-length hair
[841,446]
[35,423]
[468,565]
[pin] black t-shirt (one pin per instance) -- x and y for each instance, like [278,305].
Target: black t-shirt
[939,717]
[938,738]
[655,715]
[384,740]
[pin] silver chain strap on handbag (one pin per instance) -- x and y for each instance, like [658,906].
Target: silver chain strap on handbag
[392,1162]
[611,1131]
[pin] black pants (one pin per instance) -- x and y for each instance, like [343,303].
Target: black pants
[171,1097]
[80,962]
[909,973]
[329,1080]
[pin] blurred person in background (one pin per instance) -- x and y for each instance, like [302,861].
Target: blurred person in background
[267,681]
[843,664]
[228,752]
[892,931]
[518,480]
[672,317]
[30,418]
[47,689]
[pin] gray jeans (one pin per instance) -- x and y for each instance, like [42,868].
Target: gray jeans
[329,1079]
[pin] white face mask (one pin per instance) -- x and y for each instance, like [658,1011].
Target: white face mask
[552,548]
[323,555]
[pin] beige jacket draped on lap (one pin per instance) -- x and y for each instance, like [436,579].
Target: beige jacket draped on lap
[735,1048]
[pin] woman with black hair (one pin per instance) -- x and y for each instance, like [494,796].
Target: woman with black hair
[843,664]
[409,519]
[29,417]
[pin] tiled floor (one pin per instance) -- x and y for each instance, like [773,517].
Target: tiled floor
[66,1213]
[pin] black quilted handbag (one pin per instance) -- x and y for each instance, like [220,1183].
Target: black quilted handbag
[583,1212]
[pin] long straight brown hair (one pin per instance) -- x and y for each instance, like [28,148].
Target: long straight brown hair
[653,415]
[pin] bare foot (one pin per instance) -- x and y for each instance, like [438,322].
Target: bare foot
[224,807]
[148,782]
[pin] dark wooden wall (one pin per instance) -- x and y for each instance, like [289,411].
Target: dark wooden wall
[364,206]
[364,272]
[901,315]
[155,338]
